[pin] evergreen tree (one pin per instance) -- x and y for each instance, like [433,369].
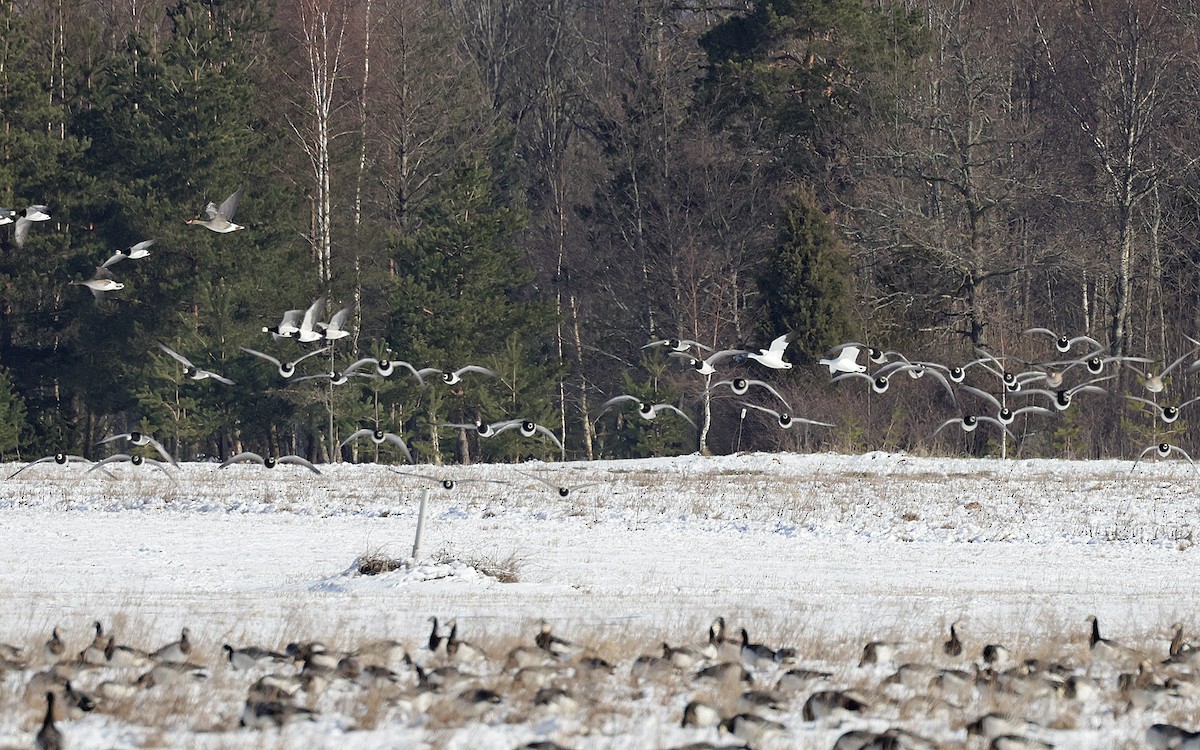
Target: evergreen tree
[806,282]
[462,296]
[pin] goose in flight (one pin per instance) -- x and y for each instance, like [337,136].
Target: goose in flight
[646,410]
[846,360]
[379,437]
[1168,414]
[741,386]
[286,369]
[784,419]
[220,218]
[101,284]
[562,490]
[772,356]
[61,459]
[446,482]
[678,345]
[708,365]
[189,369]
[25,219]
[270,461]
[140,250]
[454,377]
[139,439]
[1062,342]
[1163,450]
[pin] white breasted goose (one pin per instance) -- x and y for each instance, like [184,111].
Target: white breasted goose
[287,327]
[446,482]
[684,657]
[1107,649]
[459,650]
[286,369]
[189,369]
[700,714]
[54,648]
[754,655]
[101,284]
[126,656]
[552,644]
[269,462]
[837,704]
[62,459]
[1163,450]
[454,377]
[708,365]
[1168,414]
[1178,645]
[678,345]
[846,360]
[528,428]
[784,419]
[1170,737]
[133,459]
[741,386]
[878,652]
[562,490]
[1154,382]
[996,655]
[177,651]
[952,646]
[646,410]
[243,659]
[272,714]
[379,437]
[220,218]
[25,218]
[49,737]
[1064,343]
[140,250]
[752,728]
[140,439]
[336,327]
[772,356]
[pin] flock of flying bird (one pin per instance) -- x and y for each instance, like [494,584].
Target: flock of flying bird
[733,688]
[1008,387]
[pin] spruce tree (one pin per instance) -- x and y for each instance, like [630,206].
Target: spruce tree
[806,281]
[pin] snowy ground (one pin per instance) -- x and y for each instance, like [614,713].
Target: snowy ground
[822,553]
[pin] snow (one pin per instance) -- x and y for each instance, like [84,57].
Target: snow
[821,552]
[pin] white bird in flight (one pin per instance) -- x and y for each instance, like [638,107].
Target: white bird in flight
[101,284]
[140,250]
[189,369]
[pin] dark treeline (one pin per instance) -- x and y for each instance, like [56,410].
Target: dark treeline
[544,187]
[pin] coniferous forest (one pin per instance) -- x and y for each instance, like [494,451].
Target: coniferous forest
[543,188]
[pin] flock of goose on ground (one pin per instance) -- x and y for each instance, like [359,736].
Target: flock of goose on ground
[734,692]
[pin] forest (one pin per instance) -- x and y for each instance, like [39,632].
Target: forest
[544,188]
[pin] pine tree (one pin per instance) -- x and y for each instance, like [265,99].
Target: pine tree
[462,296]
[806,282]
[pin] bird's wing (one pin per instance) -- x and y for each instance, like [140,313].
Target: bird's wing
[546,431]
[239,458]
[498,427]
[111,438]
[219,378]
[162,451]
[338,321]
[21,230]
[111,459]
[142,245]
[31,463]
[1046,331]
[982,394]
[414,474]
[676,409]
[475,368]
[716,357]
[298,461]
[261,355]
[779,344]
[946,424]
[322,350]
[312,313]
[398,441]
[115,258]
[102,273]
[175,355]
[543,481]
[358,364]
[355,436]
[620,399]
[210,211]
[764,409]
[813,421]
[771,388]
[230,205]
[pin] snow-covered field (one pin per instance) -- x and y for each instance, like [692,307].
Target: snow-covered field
[820,553]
